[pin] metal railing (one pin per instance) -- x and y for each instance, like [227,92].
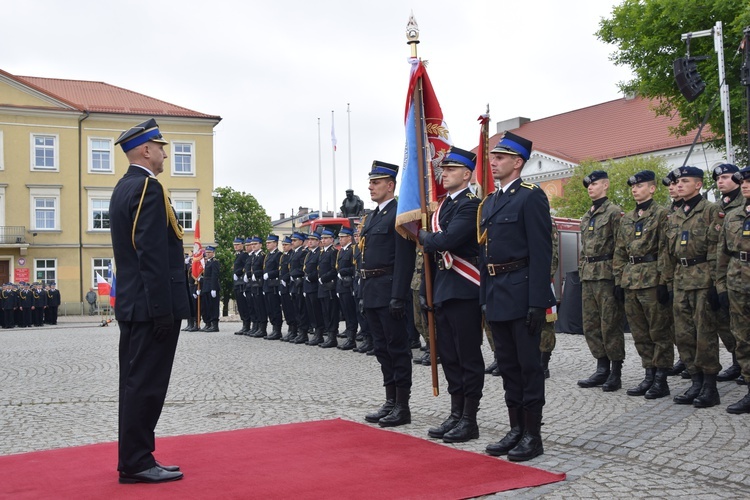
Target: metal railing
[10,235]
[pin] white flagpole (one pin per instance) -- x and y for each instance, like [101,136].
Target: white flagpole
[333,155]
[320,174]
[349,133]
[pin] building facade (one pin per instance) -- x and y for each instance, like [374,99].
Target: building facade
[59,165]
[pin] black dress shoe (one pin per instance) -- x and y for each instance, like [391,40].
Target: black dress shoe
[170,468]
[153,475]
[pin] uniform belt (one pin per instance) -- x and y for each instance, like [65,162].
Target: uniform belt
[645,258]
[507,267]
[599,258]
[474,261]
[691,262]
[374,273]
[742,256]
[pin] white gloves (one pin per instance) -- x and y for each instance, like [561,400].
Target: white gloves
[320,280]
[244,278]
[213,294]
[254,279]
[339,275]
[197,292]
[234,277]
[283,283]
[195,296]
[265,276]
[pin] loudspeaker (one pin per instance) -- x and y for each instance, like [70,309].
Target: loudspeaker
[687,78]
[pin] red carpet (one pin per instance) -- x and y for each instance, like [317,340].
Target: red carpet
[325,459]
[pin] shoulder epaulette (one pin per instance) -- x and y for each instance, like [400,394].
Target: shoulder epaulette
[528,185]
[470,195]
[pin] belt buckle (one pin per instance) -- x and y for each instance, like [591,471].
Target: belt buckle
[631,259]
[684,262]
[362,274]
[441,264]
[743,256]
[491,269]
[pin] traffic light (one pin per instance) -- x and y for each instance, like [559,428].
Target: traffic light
[688,80]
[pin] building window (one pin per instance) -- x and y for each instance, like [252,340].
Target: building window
[45,208]
[100,155]
[45,270]
[184,209]
[182,158]
[100,213]
[185,203]
[101,266]
[44,152]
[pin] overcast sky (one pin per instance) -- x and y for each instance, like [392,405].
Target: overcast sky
[270,69]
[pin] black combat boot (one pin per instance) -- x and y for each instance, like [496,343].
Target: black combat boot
[262,330]
[242,330]
[614,381]
[301,337]
[642,388]
[731,373]
[689,396]
[275,333]
[331,342]
[213,327]
[457,408]
[193,326]
[677,369]
[546,356]
[317,338]
[401,414]
[366,346]
[189,325]
[350,342]
[512,438]
[253,329]
[290,334]
[708,396]
[390,402]
[491,368]
[466,428]
[530,445]
[741,406]
[599,376]
[660,387]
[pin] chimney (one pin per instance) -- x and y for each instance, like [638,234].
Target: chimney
[511,124]
[303,211]
[282,215]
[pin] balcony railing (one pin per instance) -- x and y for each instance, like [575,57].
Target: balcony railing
[12,235]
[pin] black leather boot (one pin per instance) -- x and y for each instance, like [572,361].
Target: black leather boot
[350,342]
[366,345]
[689,396]
[290,334]
[262,330]
[599,376]
[275,333]
[242,330]
[317,338]
[546,356]
[645,384]
[466,428]
[213,327]
[741,406]
[253,329]
[401,414]
[530,445]
[731,373]
[491,368]
[677,369]
[708,396]
[331,342]
[301,337]
[390,402]
[193,326]
[457,409]
[660,387]
[512,438]
[190,323]
[614,381]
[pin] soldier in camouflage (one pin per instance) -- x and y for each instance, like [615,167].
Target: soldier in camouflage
[420,323]
[729,200]
[733,280]
[547,344]
[671,183]
[692,236]
[640,253]
[602,309]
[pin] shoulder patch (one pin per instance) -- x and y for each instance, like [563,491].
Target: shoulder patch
[471,195]
[528,185]
[721,215]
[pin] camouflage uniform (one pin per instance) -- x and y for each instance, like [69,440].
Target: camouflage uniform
[722,315]
[420,322]
[548,330]
[602,313]
[640,253]
[692,237]
[733,276]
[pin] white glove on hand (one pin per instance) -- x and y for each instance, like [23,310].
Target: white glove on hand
[265,276]
[234,277]
[213,294]
[244,294]
[339,275]
[197,292]
[195,296]
[283,283]
[320,280]
[307,278]
[254,279]
[244,278]
[304,294]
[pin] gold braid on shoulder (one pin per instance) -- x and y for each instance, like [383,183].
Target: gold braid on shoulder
[171,218]
[481,236]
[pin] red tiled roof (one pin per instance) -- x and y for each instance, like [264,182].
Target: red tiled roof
[609,130]
[100,97]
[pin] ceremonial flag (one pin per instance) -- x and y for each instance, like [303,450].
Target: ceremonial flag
[197,266]
[425,128]
[112,291]
[102,287]
[483,172]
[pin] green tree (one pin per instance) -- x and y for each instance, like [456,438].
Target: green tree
[235,214]
[576,201]
[647,36]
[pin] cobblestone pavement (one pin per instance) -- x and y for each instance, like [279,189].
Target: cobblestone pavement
[58,388]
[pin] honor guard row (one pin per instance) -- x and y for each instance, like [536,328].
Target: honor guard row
[29,304]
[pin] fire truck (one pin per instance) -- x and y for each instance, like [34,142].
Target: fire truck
[311,223]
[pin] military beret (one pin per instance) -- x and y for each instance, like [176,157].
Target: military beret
[642,176]
[724,168]
[688,172]
[381,170]
[140,134]
[741,175]
[272,237]
[669,179]
[513,144]
[460,158]
[594,176]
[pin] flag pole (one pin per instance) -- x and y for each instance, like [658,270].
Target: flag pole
[320,175]
[333,156]
[349,135]
[412,35]
[487,181]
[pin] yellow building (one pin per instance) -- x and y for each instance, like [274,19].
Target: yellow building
[59,165]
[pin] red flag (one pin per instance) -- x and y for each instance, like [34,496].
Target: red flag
[197,266]
[102,287]
[483,171]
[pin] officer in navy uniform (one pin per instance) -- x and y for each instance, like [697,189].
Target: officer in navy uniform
[364,327]
[9,305]
[151,302]
[210,291]
[25,303]
[297,277]
[327,277]
[40,304]
[271,285]
[387,265]
[285,290]
[192,295]
[515,231]
[53,302]
[345,287]
[238,284]
[452,248]
[310,289]
[255,280]
[247,272]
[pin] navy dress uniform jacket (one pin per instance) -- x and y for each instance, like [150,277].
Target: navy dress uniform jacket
[327,273]
[518,227]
